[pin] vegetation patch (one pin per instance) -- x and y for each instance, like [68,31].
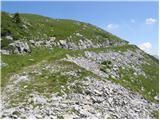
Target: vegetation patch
[105,66]
[145,85]
[155,114]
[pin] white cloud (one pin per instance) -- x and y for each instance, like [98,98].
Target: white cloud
[133,21]
[150,20]
[112,26]
[146,46]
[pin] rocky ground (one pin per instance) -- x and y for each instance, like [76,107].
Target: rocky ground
[83,96]
[99,99]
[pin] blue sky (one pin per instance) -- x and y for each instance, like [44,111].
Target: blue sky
[136,22]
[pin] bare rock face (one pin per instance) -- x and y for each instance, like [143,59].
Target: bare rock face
[20,47]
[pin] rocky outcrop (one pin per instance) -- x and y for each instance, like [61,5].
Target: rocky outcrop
[80,44]
[86,43]
[19,47]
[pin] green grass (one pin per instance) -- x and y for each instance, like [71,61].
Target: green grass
[150,83]
[18,62]
[155,114]
[42,28]
[51,82]
[105,65]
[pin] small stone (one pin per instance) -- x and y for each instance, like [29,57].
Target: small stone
[62,86]
[5,52]
[31,59]
[9,37]
[156,97]
[98,114]
[110,100]
[77,107]
[14,116]
[98,92]
[39,116]
[88,97]
[123,68]
[53,117]
[107,116]
[113,77]
[142,88]
[135,73]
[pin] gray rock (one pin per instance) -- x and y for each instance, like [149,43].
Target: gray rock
[63,43]
[32,42]
[98,92]
[72,45]
[3,64]
[9,37]
[20,47]
[14,116]
[38,116]
[5,52]
[156,97]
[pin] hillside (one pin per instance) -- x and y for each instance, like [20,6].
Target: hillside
[56,68]
[73,32]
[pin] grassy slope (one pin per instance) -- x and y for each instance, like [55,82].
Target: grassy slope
[47,27]
[61,29]
[18,62]
[150,83]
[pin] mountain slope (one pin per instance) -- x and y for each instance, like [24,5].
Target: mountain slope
[68,30]
[55,68]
